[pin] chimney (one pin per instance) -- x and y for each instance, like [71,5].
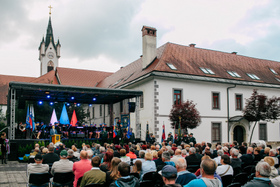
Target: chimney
[149,45]
[234,53]
[192,45]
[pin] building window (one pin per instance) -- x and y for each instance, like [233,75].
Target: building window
[207,71]
[273,71]
[238,102]
[100,110]
[216,100]
[234,74]
[171,66]
[141,101]
[177,97]
[262,131]
[253,76]
[216,132]
[93,116]
[121,106]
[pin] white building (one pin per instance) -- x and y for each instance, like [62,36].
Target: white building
[219,83]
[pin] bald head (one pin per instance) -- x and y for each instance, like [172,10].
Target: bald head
[83,154]
[250,150]
[178,152]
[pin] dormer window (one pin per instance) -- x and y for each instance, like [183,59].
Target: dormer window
[207,71]
[171,66]
[273,71]
[277,79]
[253,76]
[234,74]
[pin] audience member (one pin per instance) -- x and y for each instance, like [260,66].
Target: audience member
[248,158]
[193,159]
[225,168]
[178,154]
[95,175]
[270,161]
[123,156]
[131,153]
[71,156]
[37,167]
[169,175]
[106,165]
[183,176]
[80,167]
[149,165]
[63,165]
[50,157]
[125,179]
[220,153]
[262,176]
[113,174]
[208,168]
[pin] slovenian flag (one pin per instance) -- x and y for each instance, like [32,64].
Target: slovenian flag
[163,133]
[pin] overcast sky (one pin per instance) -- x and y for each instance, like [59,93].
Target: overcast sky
[106,34]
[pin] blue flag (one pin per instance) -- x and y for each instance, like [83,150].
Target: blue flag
[27,118]
[129,133]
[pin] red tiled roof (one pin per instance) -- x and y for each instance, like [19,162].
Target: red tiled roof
[79,77]
[48,78]
[4,85]
[188,60]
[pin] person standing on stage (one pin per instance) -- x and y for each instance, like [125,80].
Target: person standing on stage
[53,131]
[3,147]
[104,135]
[132,136]
[192,139]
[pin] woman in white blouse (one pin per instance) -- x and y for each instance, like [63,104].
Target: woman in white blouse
[225,168]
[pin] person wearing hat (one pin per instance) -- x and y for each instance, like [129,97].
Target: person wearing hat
[192,139]
[37,167]
[63,165]
[169,175]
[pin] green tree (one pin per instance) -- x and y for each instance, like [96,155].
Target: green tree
[259,107]
[186,115]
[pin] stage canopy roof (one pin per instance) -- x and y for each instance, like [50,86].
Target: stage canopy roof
[70,94]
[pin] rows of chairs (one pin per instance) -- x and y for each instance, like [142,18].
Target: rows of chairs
[43,179]
[247,174]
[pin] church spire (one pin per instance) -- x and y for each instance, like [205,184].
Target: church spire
[49,35]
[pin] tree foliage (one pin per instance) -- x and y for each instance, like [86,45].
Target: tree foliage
[190,117]
[259,107]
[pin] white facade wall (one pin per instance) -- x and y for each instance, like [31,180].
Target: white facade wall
[200,93]
[45,59]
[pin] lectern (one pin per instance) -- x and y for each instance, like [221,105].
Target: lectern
[55,138]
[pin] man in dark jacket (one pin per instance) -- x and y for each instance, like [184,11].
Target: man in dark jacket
[125,180]
[193,159]
[50,157]
[262,176]
[248,158]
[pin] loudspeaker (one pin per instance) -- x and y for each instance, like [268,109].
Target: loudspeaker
[21,103]
[131,106]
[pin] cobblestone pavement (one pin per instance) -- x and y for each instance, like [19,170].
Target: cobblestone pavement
[13,174]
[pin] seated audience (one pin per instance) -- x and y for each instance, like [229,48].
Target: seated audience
[262,176]
[217,159]
[131,153]
[137,168]
[125,179]
[106,165]
[95,175]
[274,171]
[113,174]
[71,156]
[177,155]
[183,176]
[123,156]
[235,161]
[50,157]
[149,165]
[248,158]
[207,168]
[80,167]
[225,168]
[63,165]
[169,175]
[37,167]
[193,158]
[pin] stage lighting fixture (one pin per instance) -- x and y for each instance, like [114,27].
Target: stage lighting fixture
[40,102]
[72,98]
[51,103]
[90,105]
[94,99]
[68,104]
[48,96]
[78,104]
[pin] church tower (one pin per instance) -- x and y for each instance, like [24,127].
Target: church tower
[49,52]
